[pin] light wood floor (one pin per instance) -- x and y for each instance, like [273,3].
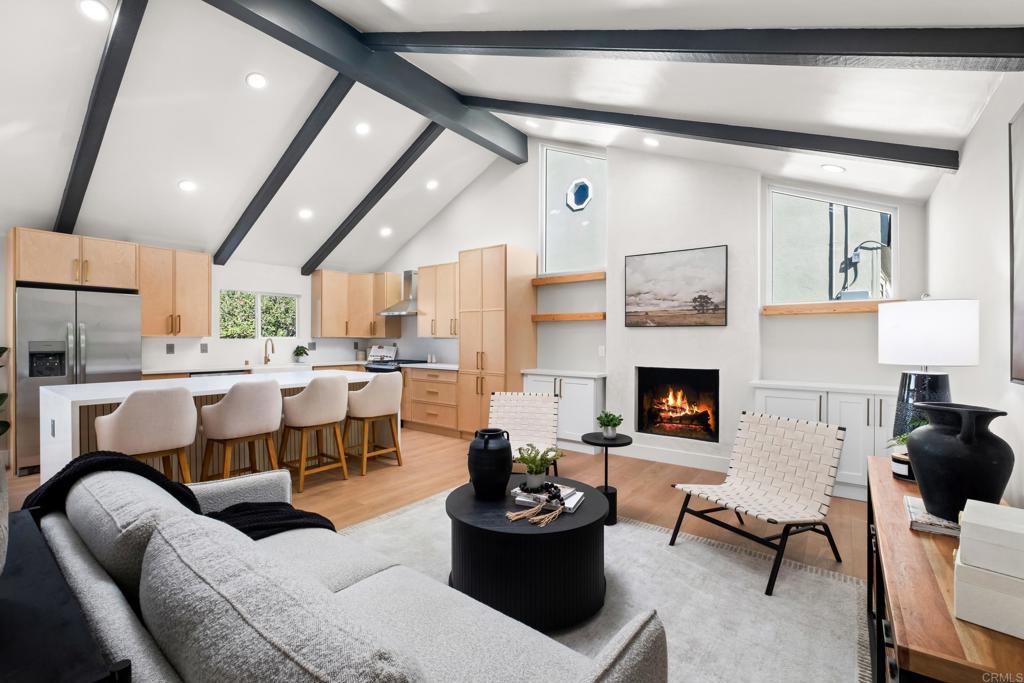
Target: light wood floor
[437,463]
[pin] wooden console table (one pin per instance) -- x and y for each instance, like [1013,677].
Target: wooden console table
[914,635]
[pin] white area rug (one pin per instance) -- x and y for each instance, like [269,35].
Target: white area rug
[721,626]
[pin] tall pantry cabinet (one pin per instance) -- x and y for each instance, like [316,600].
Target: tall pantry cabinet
[497,335]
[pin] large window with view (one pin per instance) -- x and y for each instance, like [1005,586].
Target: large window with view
[242,314]
[823,248]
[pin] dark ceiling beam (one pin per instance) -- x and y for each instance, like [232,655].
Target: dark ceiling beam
[316,32]
[315,122]
[124,27]
[967,49]
[408,158]
[734,135]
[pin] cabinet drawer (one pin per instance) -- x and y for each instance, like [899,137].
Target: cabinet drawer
[349,368]
[434,392]
[426,413]
[432,375]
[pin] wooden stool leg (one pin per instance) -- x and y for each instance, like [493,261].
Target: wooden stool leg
[282,449]
[344,437]
[250,452]
[393,424]
[271,451]
[228,447]
[319,443]
[341,449]
[168,467]
[204,469]
[186,477]
[303,443]
[366,443]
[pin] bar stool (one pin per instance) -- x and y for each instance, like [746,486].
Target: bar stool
[249,412]
[320,406]
[381,399]
[152,423]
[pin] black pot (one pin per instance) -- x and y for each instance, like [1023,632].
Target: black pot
[490,463]
[955,457]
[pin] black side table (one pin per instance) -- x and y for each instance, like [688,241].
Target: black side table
[598,439]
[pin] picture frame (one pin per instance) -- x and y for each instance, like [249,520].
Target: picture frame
[678,288]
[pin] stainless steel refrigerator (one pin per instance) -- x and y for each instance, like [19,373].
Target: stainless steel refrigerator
[70,337]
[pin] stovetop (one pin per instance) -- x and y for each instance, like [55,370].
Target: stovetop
[390,365]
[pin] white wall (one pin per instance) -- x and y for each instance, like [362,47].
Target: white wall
[969,257]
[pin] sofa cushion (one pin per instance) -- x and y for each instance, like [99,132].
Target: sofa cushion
[222,610]
[113,623]
[114,513]
[330,558]
[453,637]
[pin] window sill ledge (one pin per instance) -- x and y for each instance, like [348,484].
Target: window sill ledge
[826,307]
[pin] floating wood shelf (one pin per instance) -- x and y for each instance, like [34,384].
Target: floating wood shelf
[564,279]
[556,317]
[826,307]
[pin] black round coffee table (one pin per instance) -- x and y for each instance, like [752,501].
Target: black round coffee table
[610,492]
[546,577]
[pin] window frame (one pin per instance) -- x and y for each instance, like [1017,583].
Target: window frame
[542,206]
[839,196]
[258,319]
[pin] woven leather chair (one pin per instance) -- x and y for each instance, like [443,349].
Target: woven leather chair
[528,418]
[782,471]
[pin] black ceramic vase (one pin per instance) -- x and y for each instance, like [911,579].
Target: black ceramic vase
[955,457]
[490,463]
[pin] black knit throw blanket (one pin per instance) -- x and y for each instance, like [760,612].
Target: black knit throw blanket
[256,520]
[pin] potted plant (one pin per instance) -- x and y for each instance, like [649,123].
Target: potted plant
[537,463]
[300,353]
[608,422]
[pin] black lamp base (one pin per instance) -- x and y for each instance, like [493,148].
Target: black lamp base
[917,386]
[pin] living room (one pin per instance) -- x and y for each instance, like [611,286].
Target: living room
[377,341]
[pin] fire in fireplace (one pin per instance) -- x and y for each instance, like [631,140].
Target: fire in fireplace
[677,402]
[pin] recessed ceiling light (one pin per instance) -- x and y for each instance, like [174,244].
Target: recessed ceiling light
[305,214]
[256,81]
[362,128]
[832,168]
[187,185]
[386,231]
[651,142]
[530,123]
[94,9]
[432,185]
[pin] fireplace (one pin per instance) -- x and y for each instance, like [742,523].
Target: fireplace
[677,402]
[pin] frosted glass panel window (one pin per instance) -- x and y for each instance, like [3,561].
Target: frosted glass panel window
[575,210]
[825,249]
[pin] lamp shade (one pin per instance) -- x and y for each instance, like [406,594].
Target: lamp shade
[940,332]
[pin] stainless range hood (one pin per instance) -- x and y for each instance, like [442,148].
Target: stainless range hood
[407,306]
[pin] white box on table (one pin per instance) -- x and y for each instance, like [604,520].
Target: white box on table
[989,599]
[992,538]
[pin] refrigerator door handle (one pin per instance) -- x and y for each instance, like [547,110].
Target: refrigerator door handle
[81,353]
[72,369]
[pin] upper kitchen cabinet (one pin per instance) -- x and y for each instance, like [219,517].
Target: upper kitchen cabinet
[348,304]
[387,291]
[176,293]
[49,257]
[438,301]
[330,303]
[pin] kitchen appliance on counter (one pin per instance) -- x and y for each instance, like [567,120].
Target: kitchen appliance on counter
[380,358]
[69,337]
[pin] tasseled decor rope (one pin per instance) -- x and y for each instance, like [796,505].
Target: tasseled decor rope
[524,514]
[533,514]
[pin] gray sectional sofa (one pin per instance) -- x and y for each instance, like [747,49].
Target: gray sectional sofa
[187,598]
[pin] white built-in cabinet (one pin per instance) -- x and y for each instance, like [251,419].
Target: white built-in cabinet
[581,399]
[866,412]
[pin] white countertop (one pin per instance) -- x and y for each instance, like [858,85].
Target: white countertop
[433,366]
[589,374]
[116,392]
[273,367]
[825,386]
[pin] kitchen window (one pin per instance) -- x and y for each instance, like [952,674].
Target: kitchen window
[824,248]
[243,313]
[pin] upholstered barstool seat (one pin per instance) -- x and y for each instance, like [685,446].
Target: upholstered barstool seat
[249,413]
[152,423]
[321,406]
[381,399]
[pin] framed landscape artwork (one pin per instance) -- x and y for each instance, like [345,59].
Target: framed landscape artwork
[1017,247]
[685,288]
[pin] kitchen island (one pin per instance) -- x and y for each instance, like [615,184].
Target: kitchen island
[67,413]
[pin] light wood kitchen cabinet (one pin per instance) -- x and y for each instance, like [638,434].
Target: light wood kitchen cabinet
[175,290]
[437,301]
[330,303]
[387,291]
[426,301]
[346,305]
[360,305]
[497,337]
[51,257]
[430,399]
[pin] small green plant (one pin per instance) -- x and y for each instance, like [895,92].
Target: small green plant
[901,439]
[536,460]
[300,351]
[606,419]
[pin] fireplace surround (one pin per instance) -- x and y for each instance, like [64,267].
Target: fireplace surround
[679,402]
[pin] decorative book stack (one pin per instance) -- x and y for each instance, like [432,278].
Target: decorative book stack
[570,496]
[989,570]
[922,520]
